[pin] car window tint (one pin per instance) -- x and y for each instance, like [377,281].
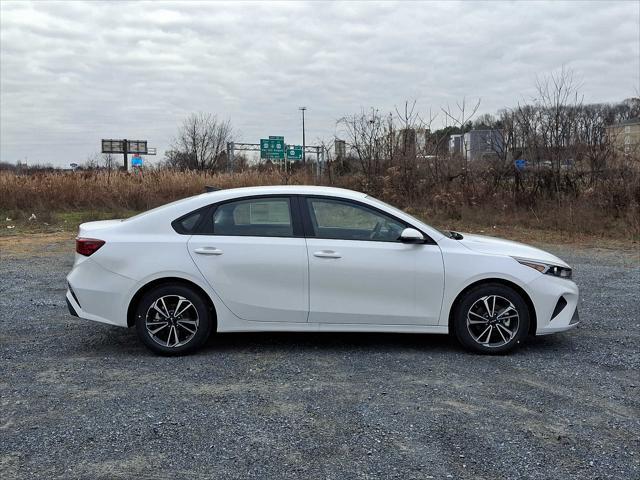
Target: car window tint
[261,217]
[188,224]
[348,221]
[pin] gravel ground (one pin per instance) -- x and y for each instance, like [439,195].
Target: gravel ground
[85,400]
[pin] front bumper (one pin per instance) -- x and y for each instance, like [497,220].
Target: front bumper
[545,292]
[573,323]
[72,311]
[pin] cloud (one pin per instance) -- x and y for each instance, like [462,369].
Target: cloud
[72,73]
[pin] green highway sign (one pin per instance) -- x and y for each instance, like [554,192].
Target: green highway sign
[272,148]
[294,152]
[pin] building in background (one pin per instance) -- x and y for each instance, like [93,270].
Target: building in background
[455,143]
[625,136]
[482,144]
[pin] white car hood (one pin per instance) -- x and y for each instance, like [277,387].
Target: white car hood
[498,246]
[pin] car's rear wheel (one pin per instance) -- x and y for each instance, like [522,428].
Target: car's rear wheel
[173,319]
[491,318]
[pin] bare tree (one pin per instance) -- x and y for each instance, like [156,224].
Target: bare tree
[559,100]
[93,161]
[109,163]
[462,114]
[201,143]
[367,136]
[460,117]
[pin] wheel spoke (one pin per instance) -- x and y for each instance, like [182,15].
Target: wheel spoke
[510,307]
[482,334]
[489,334]
[500,326]
[153,332]
[172,332]
[485,300]
[477,322]
[189,322]
[181,324]
[479,316]
[482,321]
[155,306]
[178,311]
[501,334]
[164,305]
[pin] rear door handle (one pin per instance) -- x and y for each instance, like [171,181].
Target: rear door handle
[208,251]
[327,254]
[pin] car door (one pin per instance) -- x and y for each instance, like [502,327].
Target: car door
[253,254]
[360,273]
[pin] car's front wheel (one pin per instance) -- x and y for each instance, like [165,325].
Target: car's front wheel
[491,318]
[173,319]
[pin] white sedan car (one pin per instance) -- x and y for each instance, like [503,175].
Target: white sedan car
[310,259]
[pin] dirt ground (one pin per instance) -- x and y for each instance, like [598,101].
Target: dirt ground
[84,400]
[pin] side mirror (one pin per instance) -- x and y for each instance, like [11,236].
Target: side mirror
[411,235]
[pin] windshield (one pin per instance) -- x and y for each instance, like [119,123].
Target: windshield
[391,207]
[446,233]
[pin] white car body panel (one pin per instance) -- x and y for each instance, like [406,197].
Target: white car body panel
[498,246]
[259,278]
[375,282]
[278,284]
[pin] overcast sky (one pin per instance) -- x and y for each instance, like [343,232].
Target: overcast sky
[73,73]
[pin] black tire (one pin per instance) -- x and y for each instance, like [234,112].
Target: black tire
[491,337]
[177,331]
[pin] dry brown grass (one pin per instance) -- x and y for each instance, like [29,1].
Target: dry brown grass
[77,197]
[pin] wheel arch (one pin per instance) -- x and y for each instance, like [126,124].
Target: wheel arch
[173,280]
[533,320]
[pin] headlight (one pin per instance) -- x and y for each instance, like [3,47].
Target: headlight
[546,268]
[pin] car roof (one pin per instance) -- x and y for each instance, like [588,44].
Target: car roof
[185,205]
[285,189]
[156,218]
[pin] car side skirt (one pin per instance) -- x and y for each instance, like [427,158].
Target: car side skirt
[249,326]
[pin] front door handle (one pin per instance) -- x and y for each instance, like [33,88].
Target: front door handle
[208,251]
[327,254]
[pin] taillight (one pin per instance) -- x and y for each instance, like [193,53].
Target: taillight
[88,246]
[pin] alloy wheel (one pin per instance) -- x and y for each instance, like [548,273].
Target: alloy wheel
[493,321]
[172,321]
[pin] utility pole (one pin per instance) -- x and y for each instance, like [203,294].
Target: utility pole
[304,145]
[125,150]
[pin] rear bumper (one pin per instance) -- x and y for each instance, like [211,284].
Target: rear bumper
[98,294]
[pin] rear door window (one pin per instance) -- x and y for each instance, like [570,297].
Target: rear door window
[259,217]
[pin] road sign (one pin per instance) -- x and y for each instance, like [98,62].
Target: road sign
[272,148]
[136,160]
[294,152]
[112,146]
[117,146]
